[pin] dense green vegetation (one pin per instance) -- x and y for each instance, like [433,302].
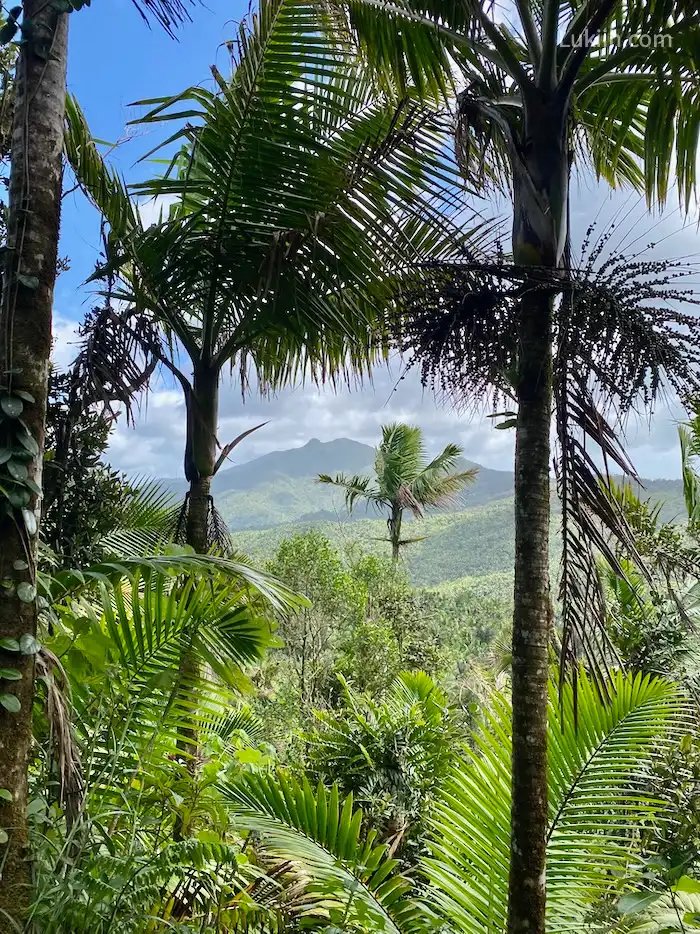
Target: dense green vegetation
[238,702]
[473,542]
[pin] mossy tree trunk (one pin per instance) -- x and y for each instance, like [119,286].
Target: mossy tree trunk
[25,348]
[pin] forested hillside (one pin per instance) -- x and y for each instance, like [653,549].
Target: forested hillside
[270,498]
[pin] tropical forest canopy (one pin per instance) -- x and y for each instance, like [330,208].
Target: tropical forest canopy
[348,687]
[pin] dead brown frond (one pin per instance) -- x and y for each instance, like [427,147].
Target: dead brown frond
[71,785]
[218,535]
[625,331]
[118,355]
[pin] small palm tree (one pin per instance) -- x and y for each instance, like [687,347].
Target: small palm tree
[404,479]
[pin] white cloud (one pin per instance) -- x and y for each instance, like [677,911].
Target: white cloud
[155,209]
[156,444]
[65,340]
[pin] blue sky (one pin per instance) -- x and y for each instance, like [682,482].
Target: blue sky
[115,59]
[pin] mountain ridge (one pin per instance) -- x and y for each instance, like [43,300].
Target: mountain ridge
[276,495]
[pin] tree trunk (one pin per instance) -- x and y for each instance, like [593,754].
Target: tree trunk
[540,174]
[200,458]
[531,621]
[395,534]
[25,348]
[200,453]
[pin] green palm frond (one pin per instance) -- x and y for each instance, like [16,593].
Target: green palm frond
[357,487]
[282,284]
[598,802]
[635,104]
[433,488]
[106,188]
[252,582]
[399,458]
[689,437]
[148,520]
[124,627]
[324,832]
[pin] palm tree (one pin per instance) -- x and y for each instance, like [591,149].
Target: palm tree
[598,803]
[391,754]
[554,82]
[298,192]
[405,479]
[25,346]
[115,712]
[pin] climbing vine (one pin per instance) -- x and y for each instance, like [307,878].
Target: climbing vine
[18,453]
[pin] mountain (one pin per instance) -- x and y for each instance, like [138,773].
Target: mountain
[275,496]
[295,463]
[313,458]
[472,544]
[281,487]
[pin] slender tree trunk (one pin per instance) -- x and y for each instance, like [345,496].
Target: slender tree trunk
[25,348]
[531,622]
[200,457]
[395,534]
[540,173]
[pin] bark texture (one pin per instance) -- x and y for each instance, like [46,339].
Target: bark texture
[200,458]
[394,525]
[25,347]
[531,622]
[540,173]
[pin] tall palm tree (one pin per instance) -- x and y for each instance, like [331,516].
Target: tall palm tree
[553,82]
[25,346]
[297,193]
[405,479]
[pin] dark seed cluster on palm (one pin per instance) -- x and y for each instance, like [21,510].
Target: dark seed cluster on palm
[626,330]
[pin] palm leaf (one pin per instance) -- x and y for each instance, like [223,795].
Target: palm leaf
[598,802]
[325,834]
[282,284]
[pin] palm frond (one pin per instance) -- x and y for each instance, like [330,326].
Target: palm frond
[126,625]
[357,487]
[103,185]
[167,13]
[147,521]
[433,488]
[286,285]
[325,834]
[598,801]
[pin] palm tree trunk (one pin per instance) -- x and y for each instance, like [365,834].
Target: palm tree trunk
[531,620]
[200,458]
[539,237]
[395,533]
[25,348]
[200,453]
